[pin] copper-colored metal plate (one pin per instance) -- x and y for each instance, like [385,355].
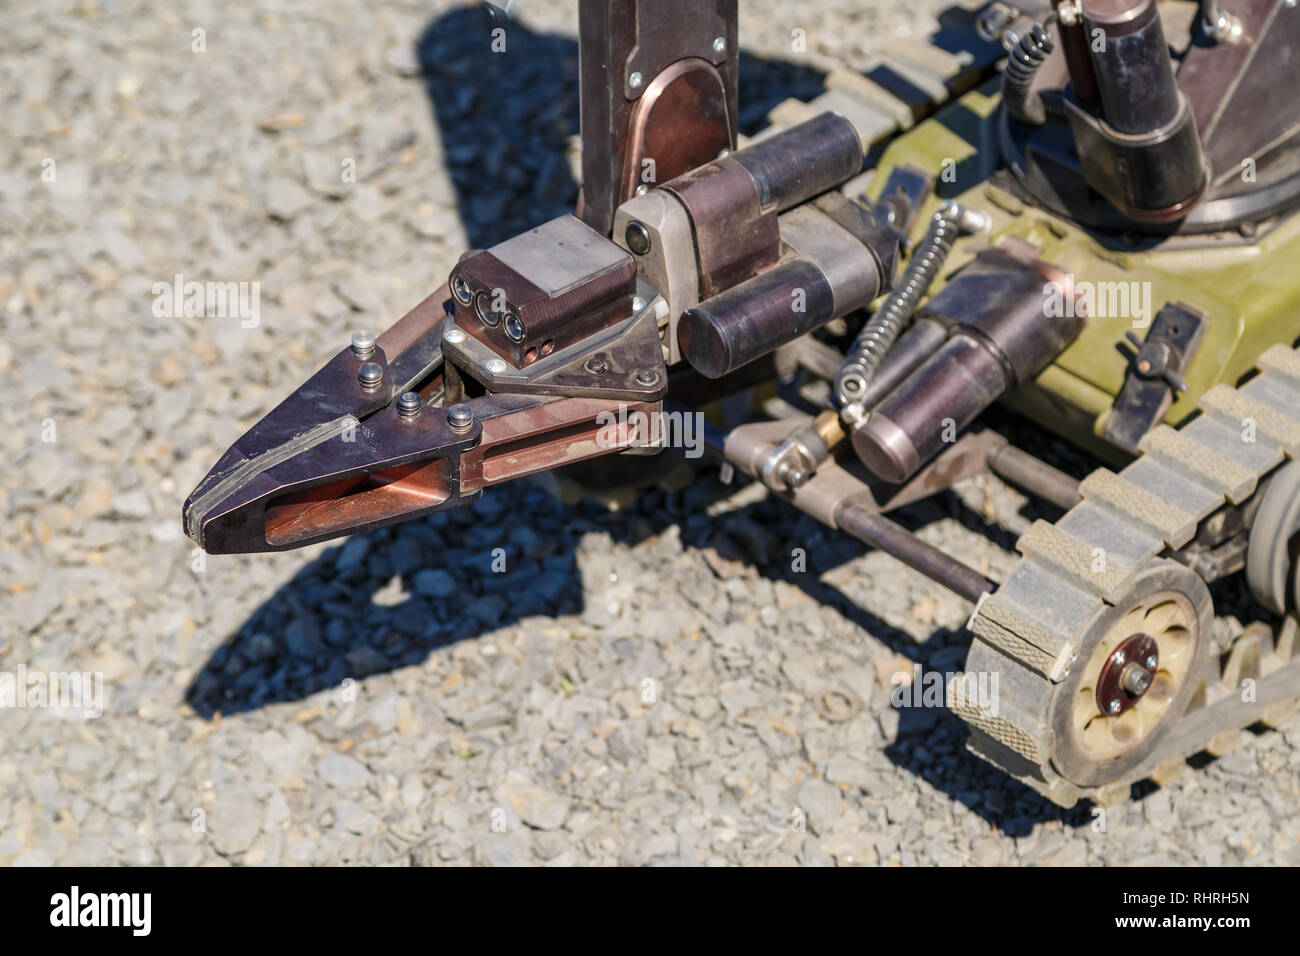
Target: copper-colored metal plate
[547,436]
[680,122]
[359,500]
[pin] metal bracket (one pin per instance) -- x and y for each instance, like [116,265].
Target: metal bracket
[904,192]
[624,361]
[1155,373]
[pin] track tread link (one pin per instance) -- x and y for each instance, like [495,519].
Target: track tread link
[1180,477]
[898,90]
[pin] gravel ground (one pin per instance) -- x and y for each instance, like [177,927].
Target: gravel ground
[637,687]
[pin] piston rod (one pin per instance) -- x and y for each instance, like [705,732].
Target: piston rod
[889,536]
[1034,475]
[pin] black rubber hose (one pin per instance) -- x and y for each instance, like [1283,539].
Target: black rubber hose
[1022,65]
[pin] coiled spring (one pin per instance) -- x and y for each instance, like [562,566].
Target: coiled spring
[1023,62]
[878,335]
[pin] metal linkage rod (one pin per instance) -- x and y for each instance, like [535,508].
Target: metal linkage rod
[880,532]
[1035,476]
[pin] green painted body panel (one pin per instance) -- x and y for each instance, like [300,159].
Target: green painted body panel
[1249,290]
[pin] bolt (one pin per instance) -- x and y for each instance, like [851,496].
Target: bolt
[993,20]
[514,328]
[647,376]
[965,218]
[454,336]
[1152,661]
[638,303]
[794,476]
[641,189]
[460,418]
[496,366]
[363,344]
[370,376]
[637,238]
[408,406]
[1119,657]
[723,153]
[1114,705]
[719,45]
[1135,679]
[597,366]
[1225,29]
[635,81]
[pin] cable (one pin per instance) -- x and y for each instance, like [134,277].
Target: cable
[1023,62]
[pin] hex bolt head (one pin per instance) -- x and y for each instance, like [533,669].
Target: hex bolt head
[496,366]
[597,365]
[637,238]
[719,45]
[1119,657]
[454,336]
[1152,661]
[460,417]
[370,375]
[1114,705]
[638,303]
[635,81]
[647,376]
[363,344]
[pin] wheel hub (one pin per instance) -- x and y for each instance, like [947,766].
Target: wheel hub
[1127,674]
[1136,668]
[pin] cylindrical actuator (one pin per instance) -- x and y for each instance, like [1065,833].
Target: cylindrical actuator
[1005,329]
[803,161]
[834,271]
[1149,161]
[1131,64]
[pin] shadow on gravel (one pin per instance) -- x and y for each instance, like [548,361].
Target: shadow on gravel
[506,118]
[387,599]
